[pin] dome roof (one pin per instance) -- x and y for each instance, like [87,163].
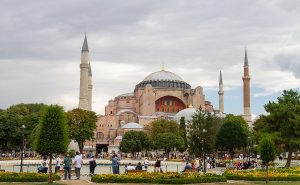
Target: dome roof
[164,79]
[132,125]
[163,76]
[186,113]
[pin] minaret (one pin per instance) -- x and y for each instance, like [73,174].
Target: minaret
[221,93]
[246,82]
[90,88]
[84,77]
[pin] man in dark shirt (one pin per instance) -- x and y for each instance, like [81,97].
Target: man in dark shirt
[68,163]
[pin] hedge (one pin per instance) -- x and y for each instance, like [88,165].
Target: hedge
[159,178]
[278,174]
[25,177]
[251,178]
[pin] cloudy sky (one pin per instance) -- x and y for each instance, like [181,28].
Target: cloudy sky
[40,45]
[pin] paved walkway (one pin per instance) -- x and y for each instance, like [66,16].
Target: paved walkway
[87,182]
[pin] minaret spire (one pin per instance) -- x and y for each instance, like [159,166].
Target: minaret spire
[85,46]
[246,89]
[85,78]
[221,94]
[246,58]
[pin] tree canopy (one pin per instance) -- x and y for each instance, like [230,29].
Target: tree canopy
[52,134]
[233,134]
[198,140]
[82,124]
[162,126]
[182,132]
[11,120]
[283,122]
[267,152]
[169,141]
[134,141]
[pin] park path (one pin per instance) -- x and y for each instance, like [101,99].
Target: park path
[87,182]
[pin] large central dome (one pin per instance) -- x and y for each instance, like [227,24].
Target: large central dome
[162,76]
[164,79]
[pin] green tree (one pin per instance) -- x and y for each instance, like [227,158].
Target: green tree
[283,122]
[182,132]
[169,141]
[52,134]
[11,120]
[161,126]
[267,152]
[202,131]
[233,134]
[82,124]
[134,141]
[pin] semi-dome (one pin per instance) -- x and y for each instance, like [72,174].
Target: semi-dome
[132,125]
[186,113]
[164,79]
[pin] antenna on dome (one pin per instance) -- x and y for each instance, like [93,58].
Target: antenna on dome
[162,67]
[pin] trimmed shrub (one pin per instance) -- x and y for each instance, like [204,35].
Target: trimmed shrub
[279,174]
[159,178]
[25,177]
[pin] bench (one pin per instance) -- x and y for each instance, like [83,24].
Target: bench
[136,171]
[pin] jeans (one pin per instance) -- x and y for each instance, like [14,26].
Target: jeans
[68,171]
[77,172]
[92,170]
[115,169]
[57,168]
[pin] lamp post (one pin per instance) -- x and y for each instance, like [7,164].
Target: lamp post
[22,147]
[204,164]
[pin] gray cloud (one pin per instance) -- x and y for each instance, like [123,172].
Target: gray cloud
[40,43]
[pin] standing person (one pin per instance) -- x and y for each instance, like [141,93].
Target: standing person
[67,168]
[44,165]
[146,163]
[115,164]
[157,165]
[78,162]
[57,164]
[93,165]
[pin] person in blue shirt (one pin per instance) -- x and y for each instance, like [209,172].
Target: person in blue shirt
[115,164]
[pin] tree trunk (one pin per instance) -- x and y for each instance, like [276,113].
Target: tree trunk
[267,173]
[232,154]
[80,145]
[289,159]
[50,180]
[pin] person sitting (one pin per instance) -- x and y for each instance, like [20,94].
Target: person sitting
[130,167]
[139,166]
[187,167]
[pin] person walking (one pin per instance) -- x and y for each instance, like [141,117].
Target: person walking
[78,162]
[157,165]
[115,164]
[146,163]
[67,167]
[57,164]
[93,165]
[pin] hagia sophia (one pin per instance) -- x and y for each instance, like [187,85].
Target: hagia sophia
[160,95]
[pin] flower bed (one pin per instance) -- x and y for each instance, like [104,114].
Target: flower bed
[25,177]
[159,178]
[279,174]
